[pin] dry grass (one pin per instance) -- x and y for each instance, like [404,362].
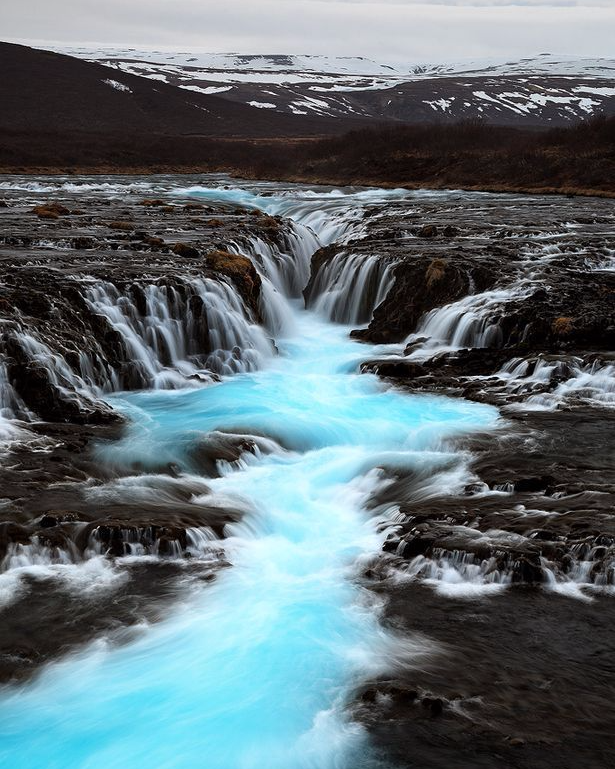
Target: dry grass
[435,271]
[50,211]
[579,160]
[562,326]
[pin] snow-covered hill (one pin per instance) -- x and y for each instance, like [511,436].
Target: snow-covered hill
[545,89]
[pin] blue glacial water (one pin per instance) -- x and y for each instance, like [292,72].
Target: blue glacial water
[254,671]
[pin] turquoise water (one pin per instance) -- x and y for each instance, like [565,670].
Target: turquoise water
[254,671]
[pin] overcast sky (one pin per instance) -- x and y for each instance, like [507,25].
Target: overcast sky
[400,30]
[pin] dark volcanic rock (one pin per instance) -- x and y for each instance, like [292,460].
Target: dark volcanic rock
[423,283]
[184,249]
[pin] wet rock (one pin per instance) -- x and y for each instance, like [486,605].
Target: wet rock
[428,231]
[11,533]
[434,705]
[119,539]
[49,521]
[186,250]
[528,571]
[516,741]
[121,226]
[533,484]
[36,387]
[83,243]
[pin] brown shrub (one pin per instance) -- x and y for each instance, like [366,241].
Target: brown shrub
[153,202]
[435,271]
[224,261]
[50,211]
[153,241]
[562,326]
[269,223]
[194,207]
[428,231]
[241,271]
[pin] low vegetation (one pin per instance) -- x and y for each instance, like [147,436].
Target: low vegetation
[575,160]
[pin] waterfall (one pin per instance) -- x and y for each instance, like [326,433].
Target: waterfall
[288,270]
[140,336]
[10,403]
[332,215]
[348,288]
[167,336]
[468,322]
[11,406]
[284,272]
[72,387]
[550,383]
[181,331]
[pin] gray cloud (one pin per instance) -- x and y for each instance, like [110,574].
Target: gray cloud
[403,30]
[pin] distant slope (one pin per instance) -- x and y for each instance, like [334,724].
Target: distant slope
[41,91]
[544,90]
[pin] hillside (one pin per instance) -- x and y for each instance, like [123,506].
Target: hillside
[42,91]
[540,91]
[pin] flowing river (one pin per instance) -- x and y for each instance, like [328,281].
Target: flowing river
[257,669]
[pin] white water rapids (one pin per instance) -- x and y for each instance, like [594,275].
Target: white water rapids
[256,670]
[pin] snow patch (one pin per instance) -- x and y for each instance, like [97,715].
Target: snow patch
[117,86]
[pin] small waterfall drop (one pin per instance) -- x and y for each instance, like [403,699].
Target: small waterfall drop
[350,287]
[181,331]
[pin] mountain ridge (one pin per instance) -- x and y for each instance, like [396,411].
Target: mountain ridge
[541,91]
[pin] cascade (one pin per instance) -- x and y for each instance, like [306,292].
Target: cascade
[468,322]
[258,669]
[179,333]
[349,287]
